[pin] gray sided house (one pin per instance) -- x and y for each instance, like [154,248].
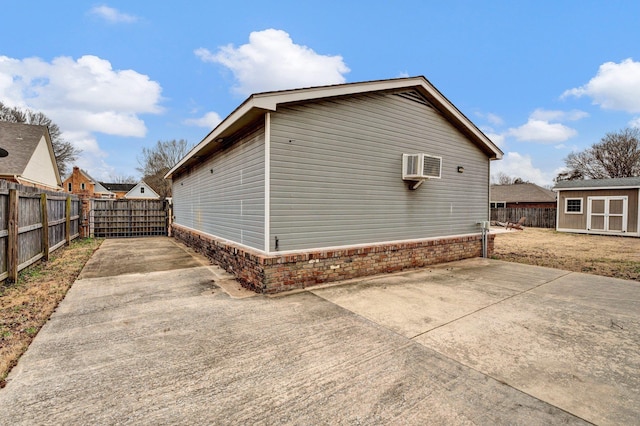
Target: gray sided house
[599,206]
[301,187]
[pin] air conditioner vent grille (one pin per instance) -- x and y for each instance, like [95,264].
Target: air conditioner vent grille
[421,166]
[431,166]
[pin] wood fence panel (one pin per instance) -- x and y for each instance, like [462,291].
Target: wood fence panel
[12,238]
[57,220]
[27,217]
[4,226]
[29,229]
[128,218]
[536,217]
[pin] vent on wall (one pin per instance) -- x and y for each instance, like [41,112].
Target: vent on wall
[415,96]
[421,166]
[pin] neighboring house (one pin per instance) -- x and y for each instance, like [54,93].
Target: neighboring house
[599,206]
[119,189]
[142,191]
[300,187]
[522,195]
[31,160]
[79,182]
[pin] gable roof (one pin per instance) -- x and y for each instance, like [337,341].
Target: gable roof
[21,141]
[118,187]
[98,187]
[522,193]
[142,184]
[259,103]
[629,182]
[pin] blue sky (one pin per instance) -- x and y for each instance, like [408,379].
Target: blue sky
[541,78]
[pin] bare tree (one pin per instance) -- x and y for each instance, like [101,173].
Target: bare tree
[64,152]
[504,179]
[617,155]
[156,161]
[123,179]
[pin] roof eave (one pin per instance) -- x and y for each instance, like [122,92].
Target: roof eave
[260,103]
[593,188]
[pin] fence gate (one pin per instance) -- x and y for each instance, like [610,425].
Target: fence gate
[128,218]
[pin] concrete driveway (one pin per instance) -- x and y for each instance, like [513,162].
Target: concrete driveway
[471,342]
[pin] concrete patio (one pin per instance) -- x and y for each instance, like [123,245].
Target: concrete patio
[470,342]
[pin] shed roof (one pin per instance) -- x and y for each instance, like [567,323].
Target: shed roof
[522,193]
[628,182]
[259,103]
[21,141]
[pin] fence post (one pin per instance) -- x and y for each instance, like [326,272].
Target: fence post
[45,226]
[12,238]
[68,223]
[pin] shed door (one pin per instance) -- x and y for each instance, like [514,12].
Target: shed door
[608,214]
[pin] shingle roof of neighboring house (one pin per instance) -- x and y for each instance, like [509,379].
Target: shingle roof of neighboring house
[98,187]
[21,140]
[260,103]
[118,187]
[632,182]
[522,193]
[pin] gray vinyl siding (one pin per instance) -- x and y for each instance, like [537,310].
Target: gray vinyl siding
[228,202]
[336,174]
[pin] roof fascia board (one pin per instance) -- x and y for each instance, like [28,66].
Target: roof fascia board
[238,113]
[595,188]
[269,101]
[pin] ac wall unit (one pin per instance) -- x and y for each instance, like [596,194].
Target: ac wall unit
[421,166]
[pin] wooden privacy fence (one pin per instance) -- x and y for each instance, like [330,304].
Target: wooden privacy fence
[128,218]
[536,217]
[33,223]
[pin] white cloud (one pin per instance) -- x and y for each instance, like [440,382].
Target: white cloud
[209,120]
[112,15]
[542,131]
[635,122]
[615,86]
[516,165]
[82,95]
[496,138]
[92,158]
[555,115]
[403,74]
[272,61]
[494,119]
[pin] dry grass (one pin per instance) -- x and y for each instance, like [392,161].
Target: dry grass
[26,305]
[610,256]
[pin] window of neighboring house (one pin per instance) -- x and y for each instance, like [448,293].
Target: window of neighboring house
[82,186]
[142,189]
[573,205]
[70,186]
[498,204]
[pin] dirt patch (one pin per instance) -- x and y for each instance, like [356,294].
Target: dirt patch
[27,305]
[610,256]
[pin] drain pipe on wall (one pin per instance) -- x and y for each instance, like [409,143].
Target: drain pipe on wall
[485,230]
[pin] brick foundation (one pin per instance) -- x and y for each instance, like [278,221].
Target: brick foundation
[281,272]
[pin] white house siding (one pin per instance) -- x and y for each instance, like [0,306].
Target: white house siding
[40,167]
[336,174]
[228,202]
[138,193]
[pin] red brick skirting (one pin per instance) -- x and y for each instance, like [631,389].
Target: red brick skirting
[281,272]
